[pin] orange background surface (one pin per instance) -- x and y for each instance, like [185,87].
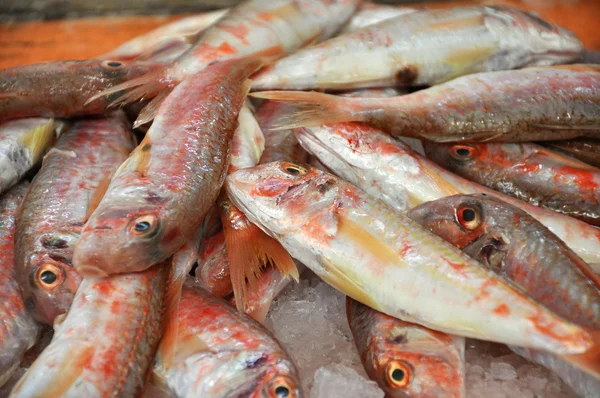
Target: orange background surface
[29,42]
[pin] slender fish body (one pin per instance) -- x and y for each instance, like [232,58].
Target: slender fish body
[514,245]
[371,13]
[18,329]
[531,104]
[426,47]
[529,172]
[57,205]
[61,88]
[105,345]
[587,151]
[159,196]
[222,353]
[23,142]
[390,171]
[385,260]
[405,359]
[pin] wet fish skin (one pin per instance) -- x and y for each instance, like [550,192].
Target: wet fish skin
[18,329]
[426,363]
[587,151]
[213,267]
[156,201]
[390,171]
[515,245]
[371,13]
[528,172]
[105,344]
[60,88]
[23,142]
[531,104]
[223,353]
[365,249]
[426,47]
[56,206]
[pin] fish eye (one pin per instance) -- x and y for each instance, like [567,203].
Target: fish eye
[281,387]
[112,65]
[144,225]
[463,152]
[293,169]
[49,276]
[468,216]
[398,374]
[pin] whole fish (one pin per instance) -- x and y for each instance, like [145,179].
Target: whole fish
[587,151]
[264,28]
[182,27]
[159,196]
[370,14]
[57,205]
[405,359]
[385,260]
[541,103]
[105,345]
[60,88]
[392,172]
[426,47]
[18,329]
[23,142]
[222,353]
[529,172]
[516,246]
[213,266]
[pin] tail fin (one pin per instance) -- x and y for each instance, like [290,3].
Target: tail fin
[588,361]
[147,86]
[39,139]
[249,249]
[149,111]
[312,109]
[181,264]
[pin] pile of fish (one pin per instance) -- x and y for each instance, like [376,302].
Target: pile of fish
[436,166]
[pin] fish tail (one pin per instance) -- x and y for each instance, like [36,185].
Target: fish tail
[249,249]
[147,86]
[307,109]
[588,361]
[39,139]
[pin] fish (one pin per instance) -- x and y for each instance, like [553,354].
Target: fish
[248,141]
[587,151]
[213,267]
[528,172]
[220,352]
[531,104]
[424,48]
[385,260]
[255,28]
[181,28]
[405,359]
[105,344]
[158,197]
[520,249]
[389,170]
[23,142]
[371,13]
[73,177]
[18,329]
[61,88]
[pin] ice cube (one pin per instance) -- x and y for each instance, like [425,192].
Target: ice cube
[503,371]
[341,381]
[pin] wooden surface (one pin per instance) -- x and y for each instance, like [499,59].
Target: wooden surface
[29,42]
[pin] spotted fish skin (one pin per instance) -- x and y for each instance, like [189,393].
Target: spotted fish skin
[106,343]
[18,329]
[383,259]
[426,363]
[56,207]
[223,353]
[426,47]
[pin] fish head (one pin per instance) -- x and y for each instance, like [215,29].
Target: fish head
[548,42]
[50,280]
[459,158]
[411,361]
[281,197]
[126,233]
